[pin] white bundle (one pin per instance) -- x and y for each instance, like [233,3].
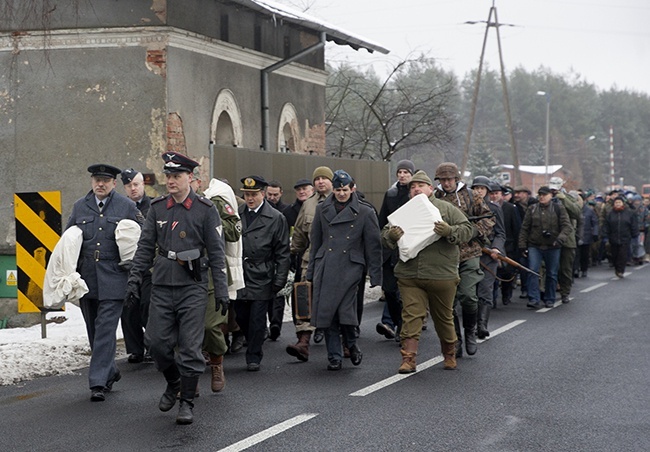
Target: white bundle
[62,282]
[127,234]
[416,218]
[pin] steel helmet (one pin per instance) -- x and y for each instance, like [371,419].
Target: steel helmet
[481,181]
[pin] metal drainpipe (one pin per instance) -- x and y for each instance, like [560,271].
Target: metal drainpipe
[265,85]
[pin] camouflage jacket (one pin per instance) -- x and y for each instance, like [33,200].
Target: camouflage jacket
[472,206]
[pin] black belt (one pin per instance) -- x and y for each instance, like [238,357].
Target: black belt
[168,254]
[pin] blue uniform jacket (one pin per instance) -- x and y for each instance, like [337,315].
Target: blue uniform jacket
[100,256]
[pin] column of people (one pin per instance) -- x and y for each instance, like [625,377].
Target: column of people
[210,267]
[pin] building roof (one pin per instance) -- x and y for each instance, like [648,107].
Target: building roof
[535,169]
[334,34]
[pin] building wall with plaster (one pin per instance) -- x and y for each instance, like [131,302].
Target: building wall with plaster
[97,81]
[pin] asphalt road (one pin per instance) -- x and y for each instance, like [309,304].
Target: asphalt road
[572,378]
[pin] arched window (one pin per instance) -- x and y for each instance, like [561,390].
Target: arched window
[289,132]
[226,120]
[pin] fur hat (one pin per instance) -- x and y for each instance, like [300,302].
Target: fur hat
[447,170]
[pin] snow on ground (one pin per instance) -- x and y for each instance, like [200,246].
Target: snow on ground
[24,355]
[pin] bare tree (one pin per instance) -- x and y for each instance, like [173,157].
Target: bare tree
[369,118]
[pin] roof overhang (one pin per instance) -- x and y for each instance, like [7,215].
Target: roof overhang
[535,169]
[333,33]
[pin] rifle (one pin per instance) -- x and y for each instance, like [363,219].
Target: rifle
[509,261]
[481,217]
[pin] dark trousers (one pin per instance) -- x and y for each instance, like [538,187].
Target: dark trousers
[333,339]
[276,311]
[134,319]
[251,318]
[391,292]
[508,275]
[101,318]
[619,256]
[176,327]
[361,291]
[584,252]
[565,272]
[523,275]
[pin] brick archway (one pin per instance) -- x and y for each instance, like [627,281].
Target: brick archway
[226,127]
[288,131]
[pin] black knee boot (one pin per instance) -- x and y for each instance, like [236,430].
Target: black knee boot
[469,325]
[188,389]
[168,399]
[482,320]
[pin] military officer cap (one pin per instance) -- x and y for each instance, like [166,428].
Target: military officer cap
[302,183]
[128,175]
[341,179]
[253,183]
[103,170]
[178,163]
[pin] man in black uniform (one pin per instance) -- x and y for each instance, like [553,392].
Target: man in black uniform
[97,215]
[265,238]
[134,318]
[186,232]
[276,307]
[396,196]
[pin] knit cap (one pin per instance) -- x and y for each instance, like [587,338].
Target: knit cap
[421,176]
[322,171]
[407,165]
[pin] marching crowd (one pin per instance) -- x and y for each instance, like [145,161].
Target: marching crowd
[212,270]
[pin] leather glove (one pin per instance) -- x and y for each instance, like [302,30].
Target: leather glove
[277,289]
[594,238]
[442,229]
[524,253]
[132,296]
[395,233]
[221,303]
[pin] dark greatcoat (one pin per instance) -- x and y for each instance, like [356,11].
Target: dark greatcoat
[265,253]
[100,256]
[343,246]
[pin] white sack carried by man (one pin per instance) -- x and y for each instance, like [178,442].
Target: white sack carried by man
[127,234]
[62,281]
[416,218]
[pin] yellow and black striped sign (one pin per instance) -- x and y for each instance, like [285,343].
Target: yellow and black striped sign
[38,229]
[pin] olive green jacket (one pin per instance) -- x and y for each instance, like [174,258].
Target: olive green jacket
[438,261]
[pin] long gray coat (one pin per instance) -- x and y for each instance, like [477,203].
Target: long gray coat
[342,246]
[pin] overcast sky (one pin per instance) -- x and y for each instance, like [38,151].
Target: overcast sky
[607,42]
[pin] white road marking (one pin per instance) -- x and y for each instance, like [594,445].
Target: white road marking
[424,366]
[594,287]
[269,433]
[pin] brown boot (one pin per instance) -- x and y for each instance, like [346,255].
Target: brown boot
[409,350]
[218,377]
[449,354]
[301,349]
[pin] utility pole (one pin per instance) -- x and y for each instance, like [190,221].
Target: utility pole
[506,100]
